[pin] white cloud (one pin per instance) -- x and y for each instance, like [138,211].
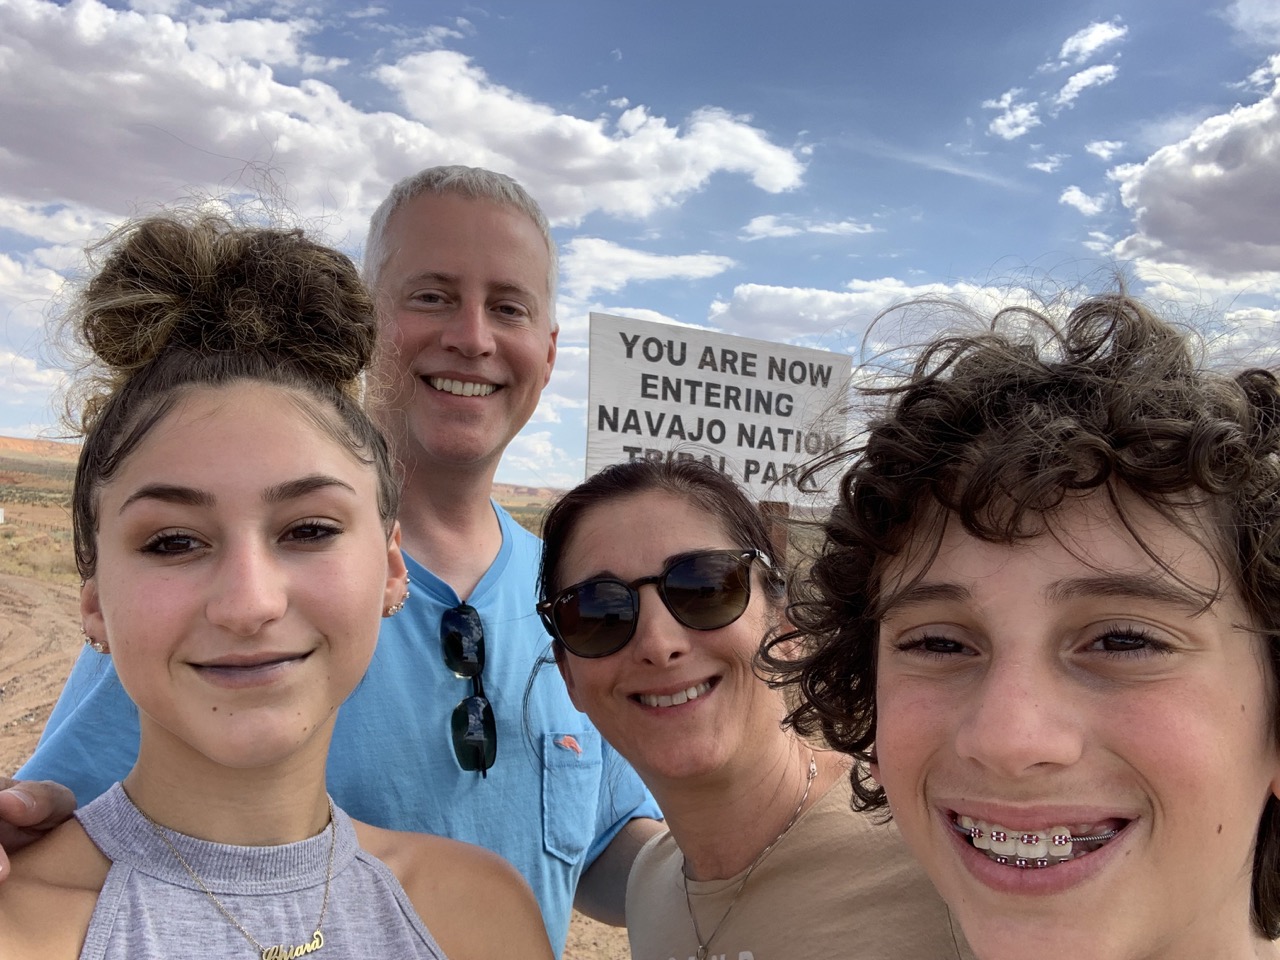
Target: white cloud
[275,42]
[1015,119]
[435,36]
[26,288]
[1083,44]
[590,264]
[55,223]
[787,226]
[642,164]
[1203,202]
[1257,20]
[533,459]
[1248,337]
[839,319]
[1104,149]
[22,376]
[1099,243]
[168,117]
[1094,76]
[1264,78]
[1048,164]
[1073,196]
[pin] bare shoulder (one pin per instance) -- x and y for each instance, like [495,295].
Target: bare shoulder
[474,902]
[46,905]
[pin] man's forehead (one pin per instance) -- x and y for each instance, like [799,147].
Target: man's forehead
[436,222]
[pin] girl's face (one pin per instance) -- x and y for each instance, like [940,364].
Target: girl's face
[637,696]
[1071,682]
[242,571]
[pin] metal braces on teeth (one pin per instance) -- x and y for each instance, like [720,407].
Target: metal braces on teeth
[1031,839]
[999,836]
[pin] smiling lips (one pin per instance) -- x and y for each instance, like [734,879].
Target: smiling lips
[248,673]
[461,388]
[1047,847]
[674,699]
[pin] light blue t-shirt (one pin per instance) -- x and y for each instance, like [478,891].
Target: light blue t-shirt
[553,800]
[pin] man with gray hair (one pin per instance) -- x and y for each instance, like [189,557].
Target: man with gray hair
[456,729]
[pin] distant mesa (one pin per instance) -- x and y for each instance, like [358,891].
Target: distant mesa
[25,449]
[42,449]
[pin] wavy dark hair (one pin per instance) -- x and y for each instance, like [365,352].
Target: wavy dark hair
[184,300]
[996,430]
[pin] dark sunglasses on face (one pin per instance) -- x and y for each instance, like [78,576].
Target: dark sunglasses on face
[475,734]
[706,590]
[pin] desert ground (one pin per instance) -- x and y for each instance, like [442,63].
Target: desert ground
[40,626]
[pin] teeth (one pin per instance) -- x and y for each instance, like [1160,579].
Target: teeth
[674,699]
[462,388]
[1038,848]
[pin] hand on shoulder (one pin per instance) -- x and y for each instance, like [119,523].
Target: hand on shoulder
[46,906]
[28,810]
[474,902]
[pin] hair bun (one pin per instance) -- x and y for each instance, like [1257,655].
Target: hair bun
[203,284]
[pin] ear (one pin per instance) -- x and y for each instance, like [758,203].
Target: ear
[397,575]
[566,674]
[551,354]
[91,619]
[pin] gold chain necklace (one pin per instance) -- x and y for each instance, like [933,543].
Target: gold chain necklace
[704,945]
[281,952]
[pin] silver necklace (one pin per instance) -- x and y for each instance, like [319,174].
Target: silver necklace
[705,945]
[283,951]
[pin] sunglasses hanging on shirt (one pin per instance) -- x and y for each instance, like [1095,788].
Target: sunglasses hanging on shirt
[474,732]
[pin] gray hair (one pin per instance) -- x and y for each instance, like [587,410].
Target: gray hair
[475,183]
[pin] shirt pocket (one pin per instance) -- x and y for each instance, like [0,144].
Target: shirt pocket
[571,770]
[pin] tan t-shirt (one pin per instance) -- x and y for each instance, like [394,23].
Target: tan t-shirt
[838,885]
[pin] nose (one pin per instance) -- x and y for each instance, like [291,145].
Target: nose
[660,638]
[468,330]
[1022,720]
[249,590]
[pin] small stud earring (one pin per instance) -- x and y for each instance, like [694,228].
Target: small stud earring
[98,645]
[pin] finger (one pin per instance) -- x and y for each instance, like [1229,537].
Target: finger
[19,807]
[36,804]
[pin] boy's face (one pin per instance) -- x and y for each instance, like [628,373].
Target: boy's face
[1075,683]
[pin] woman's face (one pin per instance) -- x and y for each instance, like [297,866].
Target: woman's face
[628,694]
[242,571]
[1072,682]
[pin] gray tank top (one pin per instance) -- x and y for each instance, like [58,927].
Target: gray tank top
[151,909]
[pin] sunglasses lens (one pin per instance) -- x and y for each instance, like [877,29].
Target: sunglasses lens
[475,736]
[462,635]
[596,618]
[708,591]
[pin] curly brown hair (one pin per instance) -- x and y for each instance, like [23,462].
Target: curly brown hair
[183,300]
[996,430]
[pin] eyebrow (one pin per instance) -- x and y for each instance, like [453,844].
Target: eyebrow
[1134,585]
[1116,585]
[292,489]
[170,493]
[453,279]
[192,497]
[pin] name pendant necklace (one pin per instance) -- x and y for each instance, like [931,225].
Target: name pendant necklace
[281,952]
[705,945]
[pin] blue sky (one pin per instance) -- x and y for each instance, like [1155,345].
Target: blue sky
[778,171]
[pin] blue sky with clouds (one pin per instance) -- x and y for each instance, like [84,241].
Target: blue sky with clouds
[779,171]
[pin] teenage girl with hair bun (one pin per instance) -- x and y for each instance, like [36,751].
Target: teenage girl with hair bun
[234,516]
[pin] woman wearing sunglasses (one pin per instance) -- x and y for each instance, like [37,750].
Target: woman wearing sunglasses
[658,587]
[234,518]
[1046,621]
